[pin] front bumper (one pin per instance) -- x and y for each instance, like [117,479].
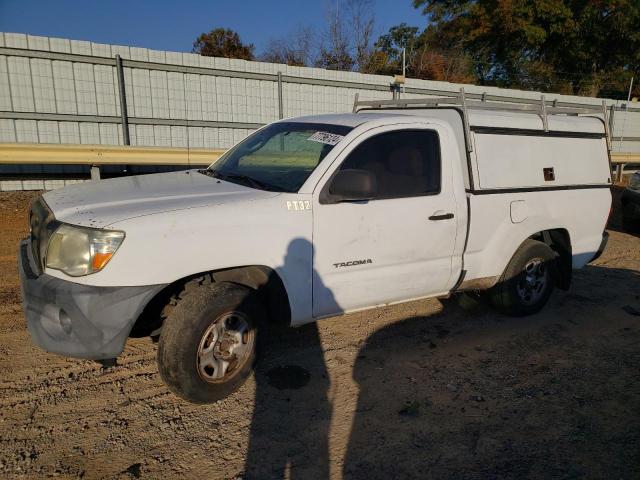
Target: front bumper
[76,320]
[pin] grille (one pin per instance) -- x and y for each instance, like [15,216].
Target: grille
[42,224]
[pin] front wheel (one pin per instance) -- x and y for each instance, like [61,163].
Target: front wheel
[208,343]
[527,282]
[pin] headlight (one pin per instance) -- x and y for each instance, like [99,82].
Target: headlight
[634,182]
[79,251]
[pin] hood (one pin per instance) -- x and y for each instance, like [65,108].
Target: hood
[100,204]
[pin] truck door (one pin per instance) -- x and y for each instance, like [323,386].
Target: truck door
[397,244]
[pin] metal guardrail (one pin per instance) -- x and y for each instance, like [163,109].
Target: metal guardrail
[52,154]
[625,158]
[97,155]
[621,160]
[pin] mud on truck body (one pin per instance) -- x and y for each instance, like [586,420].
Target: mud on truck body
[313,217]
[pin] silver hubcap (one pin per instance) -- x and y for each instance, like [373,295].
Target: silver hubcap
[225,347]
[533,281]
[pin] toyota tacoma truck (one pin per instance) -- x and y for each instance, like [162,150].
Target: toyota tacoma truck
[313,217]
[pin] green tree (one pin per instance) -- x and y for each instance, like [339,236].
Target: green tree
[586,47]
[399,37]
[222,42]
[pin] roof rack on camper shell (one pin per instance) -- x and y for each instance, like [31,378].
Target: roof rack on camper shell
[475,101]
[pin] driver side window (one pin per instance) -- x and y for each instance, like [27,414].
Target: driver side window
[404,163]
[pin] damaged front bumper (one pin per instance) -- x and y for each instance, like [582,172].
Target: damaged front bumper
[76,320]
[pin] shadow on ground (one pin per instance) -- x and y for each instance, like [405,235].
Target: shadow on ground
[467,393]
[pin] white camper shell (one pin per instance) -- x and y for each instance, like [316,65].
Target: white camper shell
[317,216]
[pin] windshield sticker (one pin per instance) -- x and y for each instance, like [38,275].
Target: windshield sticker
[326,138]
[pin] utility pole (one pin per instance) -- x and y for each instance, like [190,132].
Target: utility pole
[404,66]
[624,123]
[404,62]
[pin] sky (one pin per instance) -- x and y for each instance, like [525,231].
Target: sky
[174,25]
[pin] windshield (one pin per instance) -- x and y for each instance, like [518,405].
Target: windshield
[279,157]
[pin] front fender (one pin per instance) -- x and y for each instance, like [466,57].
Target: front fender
[167,247]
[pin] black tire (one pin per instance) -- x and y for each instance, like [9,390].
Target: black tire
[519,292]
[206,308]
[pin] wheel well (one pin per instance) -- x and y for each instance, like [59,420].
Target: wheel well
[263,279]
[560,242]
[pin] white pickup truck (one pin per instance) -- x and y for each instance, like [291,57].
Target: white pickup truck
[313,217]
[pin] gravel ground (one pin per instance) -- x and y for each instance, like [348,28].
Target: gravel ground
[427,389]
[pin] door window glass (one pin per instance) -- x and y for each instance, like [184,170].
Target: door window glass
[405,163]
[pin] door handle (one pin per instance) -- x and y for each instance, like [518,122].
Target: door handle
[443,216]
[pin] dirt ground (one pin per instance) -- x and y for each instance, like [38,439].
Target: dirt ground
[429,389]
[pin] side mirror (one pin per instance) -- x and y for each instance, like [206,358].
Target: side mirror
[351,185]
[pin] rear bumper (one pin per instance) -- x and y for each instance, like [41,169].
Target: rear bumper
[76,320]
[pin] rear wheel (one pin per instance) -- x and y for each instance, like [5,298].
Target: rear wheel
[527,282]
[208,342]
